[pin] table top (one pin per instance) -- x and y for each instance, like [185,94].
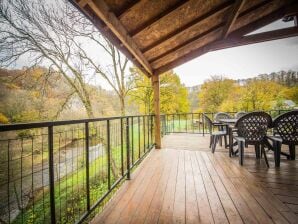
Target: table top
[228,121]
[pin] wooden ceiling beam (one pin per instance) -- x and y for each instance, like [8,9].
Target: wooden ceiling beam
[192,23]
[102,11]
[232,17]
[266,20]
[129,6]
[83,3]
[158,17]
[228,43]
[257,38]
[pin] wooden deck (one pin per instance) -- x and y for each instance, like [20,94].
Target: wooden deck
[185,183]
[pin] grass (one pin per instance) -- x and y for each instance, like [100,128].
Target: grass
[70,191]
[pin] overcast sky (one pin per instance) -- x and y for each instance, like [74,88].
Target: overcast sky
[243,62]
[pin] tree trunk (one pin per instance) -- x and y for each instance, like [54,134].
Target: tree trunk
[122,105]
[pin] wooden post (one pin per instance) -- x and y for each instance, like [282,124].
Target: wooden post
[155,85]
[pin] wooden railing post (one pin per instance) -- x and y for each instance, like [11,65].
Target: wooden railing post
[156,93]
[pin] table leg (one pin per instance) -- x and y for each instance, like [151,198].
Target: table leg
[230,141]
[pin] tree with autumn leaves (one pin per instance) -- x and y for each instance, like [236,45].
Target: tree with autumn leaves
[173,94]
[222,94]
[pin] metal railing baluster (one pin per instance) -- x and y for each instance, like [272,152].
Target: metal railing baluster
[51,173]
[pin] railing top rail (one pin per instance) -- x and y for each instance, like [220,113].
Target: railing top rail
[45,124]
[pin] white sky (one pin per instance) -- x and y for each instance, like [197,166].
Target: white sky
[243,62]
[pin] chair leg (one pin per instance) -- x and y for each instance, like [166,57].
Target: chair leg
[241,152]
[292,151]
[226,142]
[211,139]
[215,140]
[265,156]
[220,140]
[257,150]
[277,149]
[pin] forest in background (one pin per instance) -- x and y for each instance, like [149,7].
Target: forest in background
[264,92]
[40,94]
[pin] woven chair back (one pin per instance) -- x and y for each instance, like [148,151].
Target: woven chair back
[253,126]
[286,126]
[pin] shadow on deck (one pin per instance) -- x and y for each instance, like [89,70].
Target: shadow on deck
[185,183]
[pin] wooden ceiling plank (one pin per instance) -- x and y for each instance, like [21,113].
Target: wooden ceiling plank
[228,43]
[192,40]
[204,40]
[103,12]
[232,17]
[188,25]
[158,17]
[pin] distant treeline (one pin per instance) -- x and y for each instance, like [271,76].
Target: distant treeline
[287,78]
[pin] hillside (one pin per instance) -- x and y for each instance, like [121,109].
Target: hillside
[38,94]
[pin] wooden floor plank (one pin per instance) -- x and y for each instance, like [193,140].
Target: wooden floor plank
[129,186]
[189,184]
[143,206]
[218,212]
[227,203]
[192,211]
[179,202]
[130,208]
[158,198]
[115,212]
[167,208]
[245,212]
[205,214]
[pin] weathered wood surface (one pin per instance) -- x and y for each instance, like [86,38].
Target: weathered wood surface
[160,35]
[192,185]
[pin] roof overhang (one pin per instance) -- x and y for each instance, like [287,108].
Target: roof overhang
[160,35]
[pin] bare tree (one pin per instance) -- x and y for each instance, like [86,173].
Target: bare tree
[115,72]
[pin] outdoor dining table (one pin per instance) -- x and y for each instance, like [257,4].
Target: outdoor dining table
[230,123]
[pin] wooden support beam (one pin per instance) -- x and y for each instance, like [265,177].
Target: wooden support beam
[256,38]
[231,42]
[109,18]
[156,101]
[232,17]
[270,18]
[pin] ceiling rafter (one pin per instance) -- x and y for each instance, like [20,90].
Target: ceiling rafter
[111,21]
[237,7]
[235,35]
[235,10]
[158,17]
[129,6]
[187,42]
[222,44]
[188,25]
[259,23]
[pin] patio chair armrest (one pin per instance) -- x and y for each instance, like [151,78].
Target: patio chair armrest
[217,124]
[239,139]
[274,138]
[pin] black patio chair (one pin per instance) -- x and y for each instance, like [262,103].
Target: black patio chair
[285,129]
[240,114]
[251,130]
[217,117]
[214,135]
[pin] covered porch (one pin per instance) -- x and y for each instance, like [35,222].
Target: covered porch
[186,183]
